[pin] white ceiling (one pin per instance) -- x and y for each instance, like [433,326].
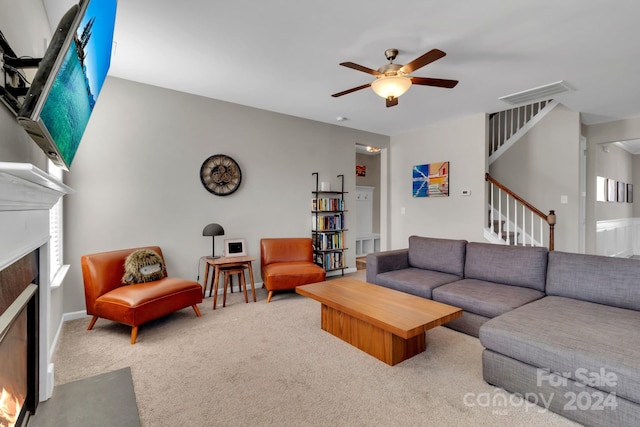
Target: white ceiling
[283,55]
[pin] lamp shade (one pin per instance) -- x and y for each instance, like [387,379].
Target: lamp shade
[391,86]
[213,230]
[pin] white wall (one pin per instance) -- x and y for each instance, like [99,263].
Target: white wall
[617,164]
[545,165]
[136,174]
[462,142]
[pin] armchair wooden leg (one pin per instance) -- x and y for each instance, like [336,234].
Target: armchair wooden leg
[134,334]
[93,322]
[269,297]
[195,308]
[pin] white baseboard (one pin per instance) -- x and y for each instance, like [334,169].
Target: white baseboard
[65,318]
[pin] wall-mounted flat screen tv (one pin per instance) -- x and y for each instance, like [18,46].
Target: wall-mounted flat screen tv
[69,78]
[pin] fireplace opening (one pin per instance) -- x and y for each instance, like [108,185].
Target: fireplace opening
[19,341]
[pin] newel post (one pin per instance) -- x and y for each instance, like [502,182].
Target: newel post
[551,220]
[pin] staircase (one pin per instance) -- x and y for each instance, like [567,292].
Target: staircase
[499,229]
[514,221]
[508,126]
[511,219]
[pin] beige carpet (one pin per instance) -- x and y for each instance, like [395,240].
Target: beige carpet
[261,364]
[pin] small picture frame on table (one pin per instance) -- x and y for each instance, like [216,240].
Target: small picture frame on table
[234,248]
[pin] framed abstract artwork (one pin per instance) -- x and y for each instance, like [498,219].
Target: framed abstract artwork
[629,193]
[601,189]
[431,180]
[611,190]
[622,192]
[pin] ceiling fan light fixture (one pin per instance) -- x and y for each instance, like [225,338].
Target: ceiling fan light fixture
[391,86]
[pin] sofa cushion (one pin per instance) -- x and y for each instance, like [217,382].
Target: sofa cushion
[287,275]
[139,303]
[415,281]
[524,266]
[599,279]
[577,339]
[487,299]
[445,255]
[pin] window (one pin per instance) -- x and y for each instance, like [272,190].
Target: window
[57,269]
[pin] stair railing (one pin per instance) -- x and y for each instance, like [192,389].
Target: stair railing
[505,124]
[508,226]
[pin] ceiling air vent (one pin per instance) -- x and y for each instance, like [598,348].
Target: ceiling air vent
[537,93]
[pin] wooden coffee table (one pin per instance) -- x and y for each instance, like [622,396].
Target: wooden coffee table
[387,324]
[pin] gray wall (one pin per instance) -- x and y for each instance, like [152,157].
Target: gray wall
[136,174]
[544,165]
[462,142]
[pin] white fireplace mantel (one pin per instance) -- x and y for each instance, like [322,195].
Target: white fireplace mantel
[25,187]
[26,196]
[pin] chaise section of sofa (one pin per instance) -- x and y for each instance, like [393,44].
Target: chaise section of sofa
[425,265]
[497,279]
[575,351]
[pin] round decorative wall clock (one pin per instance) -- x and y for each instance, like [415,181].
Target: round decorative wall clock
[220,175]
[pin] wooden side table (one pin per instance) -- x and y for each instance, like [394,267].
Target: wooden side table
[226,262]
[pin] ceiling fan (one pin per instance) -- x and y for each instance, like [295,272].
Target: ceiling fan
[392,80]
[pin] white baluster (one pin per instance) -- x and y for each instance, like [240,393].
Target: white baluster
[504,139]
[508,221]
[514,240]
[524,226]
[532,228]
[500,212]
[492,212]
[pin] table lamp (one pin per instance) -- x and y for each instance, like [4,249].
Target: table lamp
[213,230]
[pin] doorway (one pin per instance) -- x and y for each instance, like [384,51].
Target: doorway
[370,201]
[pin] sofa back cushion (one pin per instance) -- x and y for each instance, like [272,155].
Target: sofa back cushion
[599,279]
[102,272]
[524,266]
[444,255]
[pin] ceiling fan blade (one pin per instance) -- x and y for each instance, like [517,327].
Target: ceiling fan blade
[426,81]
[427,58]
[392,101]
[353,89]
[361,68]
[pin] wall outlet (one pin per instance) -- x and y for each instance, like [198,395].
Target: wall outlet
[465,192]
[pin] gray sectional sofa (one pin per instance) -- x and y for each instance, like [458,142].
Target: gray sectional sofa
[560,329]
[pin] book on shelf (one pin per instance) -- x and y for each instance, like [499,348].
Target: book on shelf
[330,260]
[323,242]
[327,222]
[328,204]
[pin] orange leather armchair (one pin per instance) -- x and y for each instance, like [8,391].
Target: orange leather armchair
[288,262]
[106,296]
